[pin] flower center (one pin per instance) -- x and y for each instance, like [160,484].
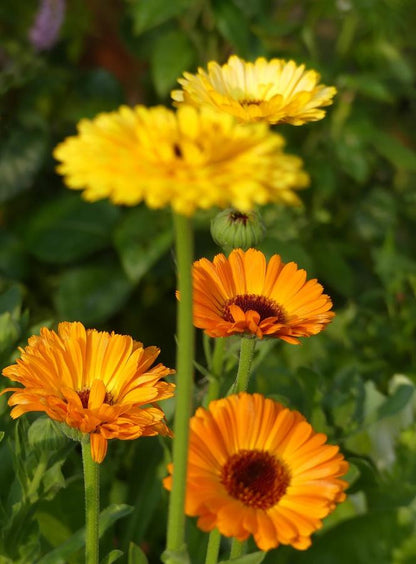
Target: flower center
[84,396]
[265,307]
[250,102]
[256,478]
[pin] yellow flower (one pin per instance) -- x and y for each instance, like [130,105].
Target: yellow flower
[98,383]
[256,467]
[188,160]
[272,91]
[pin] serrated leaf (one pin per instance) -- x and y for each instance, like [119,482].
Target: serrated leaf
[68,229]
[92,294]
[172,54]
[107,518]
[136,555]
[21,157]
[147,14]
[141,239]
[254,558]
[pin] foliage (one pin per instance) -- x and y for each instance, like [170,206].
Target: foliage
[113,268]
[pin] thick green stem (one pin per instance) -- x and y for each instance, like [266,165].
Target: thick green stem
[237,549]
[176,547]
[213,547]
[92,503]
[216,370]
[248,345]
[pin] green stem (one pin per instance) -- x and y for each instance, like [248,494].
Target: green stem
[248,345]
[237,549]
[92,503]
[176,546]
[213,547]
[216,370]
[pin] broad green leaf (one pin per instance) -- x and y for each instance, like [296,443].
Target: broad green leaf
[234,26]
[21,156]
[393,150]
[11,299]
[147,14]
[142,238]
[396,402]
[44,435]
[254,558]
[112,556]
[107,518]
[333,269]
[13,262]
[172,54]
[136,555]
[367,538]
[69,229]
[92,294]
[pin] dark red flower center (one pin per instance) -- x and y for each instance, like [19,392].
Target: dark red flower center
[256,478]
[265,307]
[84,396]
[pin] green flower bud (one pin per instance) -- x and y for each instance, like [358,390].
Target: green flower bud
[232,229]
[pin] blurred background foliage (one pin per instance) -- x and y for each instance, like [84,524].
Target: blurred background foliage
[113,268]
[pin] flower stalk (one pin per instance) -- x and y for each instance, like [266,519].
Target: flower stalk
[213,547]
[92,502]
[248,344]
[176,547]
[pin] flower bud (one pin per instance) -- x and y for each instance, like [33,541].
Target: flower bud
[232,229]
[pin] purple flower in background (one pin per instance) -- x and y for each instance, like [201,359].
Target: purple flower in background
[44,32]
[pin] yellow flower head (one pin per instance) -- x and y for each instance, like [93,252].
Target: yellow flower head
[274,91]
[98,383]
[189,159]
[256,467]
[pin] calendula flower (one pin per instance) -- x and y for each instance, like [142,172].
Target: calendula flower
[246,295]
[97,383]
[187,160]
[274,91]
[258,468]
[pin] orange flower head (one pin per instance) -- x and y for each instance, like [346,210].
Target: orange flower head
[245,295]
[98,383]
[258,468]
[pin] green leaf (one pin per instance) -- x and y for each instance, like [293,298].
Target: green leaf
[21,157]
[147,14]
[393,150]
[333,269]
[254,558]
[107,518]
[1,435]
[12,256]
[92,294]
[396,402]
[172,54]
[141,239]
[11,300]
[136,555]
[368,538]
[234,26]
[112,557]
[70,229]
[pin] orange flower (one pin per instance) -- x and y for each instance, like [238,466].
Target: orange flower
[98,383]
[243,294]
[256,467]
